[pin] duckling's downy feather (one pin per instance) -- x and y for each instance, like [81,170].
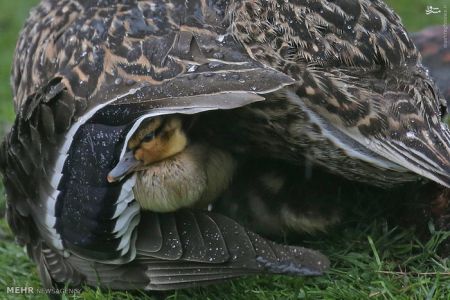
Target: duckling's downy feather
[194,177]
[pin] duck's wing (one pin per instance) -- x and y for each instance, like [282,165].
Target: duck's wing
[359,79]
[397,128]
[84,73]
[181,250]
[190,248]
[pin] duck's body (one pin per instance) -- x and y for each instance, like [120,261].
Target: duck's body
[337,82]
[298,141]
[362,106]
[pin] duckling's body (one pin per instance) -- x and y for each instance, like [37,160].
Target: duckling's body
[194,177]
[278,199]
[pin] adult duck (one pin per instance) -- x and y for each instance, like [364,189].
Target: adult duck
[337,82]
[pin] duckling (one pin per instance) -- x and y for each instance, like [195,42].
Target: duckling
[278,199]
[172,173]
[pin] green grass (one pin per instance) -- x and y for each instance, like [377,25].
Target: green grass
[12,16]
[413,12]
[371,259]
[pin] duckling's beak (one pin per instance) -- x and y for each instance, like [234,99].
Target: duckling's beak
[125,166]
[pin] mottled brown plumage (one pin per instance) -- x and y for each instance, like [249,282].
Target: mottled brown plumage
[338,83]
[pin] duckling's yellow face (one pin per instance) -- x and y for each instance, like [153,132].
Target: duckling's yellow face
[155,140]
[158,139]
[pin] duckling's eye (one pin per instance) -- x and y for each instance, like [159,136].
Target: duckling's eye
[148,137]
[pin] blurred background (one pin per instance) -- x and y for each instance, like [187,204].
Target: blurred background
[16,269]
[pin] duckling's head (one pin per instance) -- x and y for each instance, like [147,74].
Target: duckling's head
[155,140]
